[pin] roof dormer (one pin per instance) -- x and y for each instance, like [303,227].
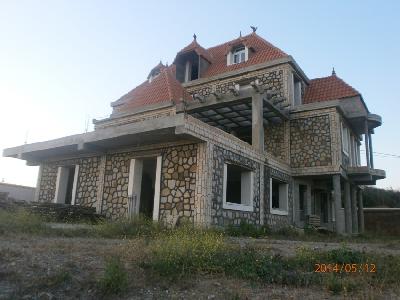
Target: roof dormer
[155,71]
[191,62]
[237,54]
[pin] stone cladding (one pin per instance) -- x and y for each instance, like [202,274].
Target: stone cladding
[310,142]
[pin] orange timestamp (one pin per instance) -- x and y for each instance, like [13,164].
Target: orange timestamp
[345,268]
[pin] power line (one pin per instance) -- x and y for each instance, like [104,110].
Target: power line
[383,154]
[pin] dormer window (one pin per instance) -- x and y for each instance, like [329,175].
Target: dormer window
[237,55]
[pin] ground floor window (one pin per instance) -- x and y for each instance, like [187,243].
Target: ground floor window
[238,188]
[279,196]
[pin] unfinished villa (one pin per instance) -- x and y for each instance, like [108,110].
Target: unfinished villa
[227,134]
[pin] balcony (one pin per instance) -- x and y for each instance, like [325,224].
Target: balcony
[364,175]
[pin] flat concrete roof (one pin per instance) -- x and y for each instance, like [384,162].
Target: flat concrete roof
[146,132]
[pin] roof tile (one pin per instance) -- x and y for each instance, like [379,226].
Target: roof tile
[328,88]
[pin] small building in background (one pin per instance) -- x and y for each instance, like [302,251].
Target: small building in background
[16,192]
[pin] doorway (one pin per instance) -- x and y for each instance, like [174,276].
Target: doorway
[321,205]
[144,187]
[66,183]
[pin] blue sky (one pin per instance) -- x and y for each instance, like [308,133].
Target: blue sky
[63,62]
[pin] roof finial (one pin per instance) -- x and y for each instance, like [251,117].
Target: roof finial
[333,71]
[253,28]
[194,36]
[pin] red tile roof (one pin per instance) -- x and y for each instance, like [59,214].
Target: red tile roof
[328,88]
[165,87]
[194,46]
[261,51]
[162,88]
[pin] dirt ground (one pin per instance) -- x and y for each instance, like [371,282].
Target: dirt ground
[33,267]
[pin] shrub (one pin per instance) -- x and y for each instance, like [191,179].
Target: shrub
[115,278]
[20,220]
[185,250]
[139,226]
[246,229]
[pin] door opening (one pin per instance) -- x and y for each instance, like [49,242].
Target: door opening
[321,205]
[148,187]
[70,184]
[66,184]
[144,187]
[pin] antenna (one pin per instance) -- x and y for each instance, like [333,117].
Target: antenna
[26,136]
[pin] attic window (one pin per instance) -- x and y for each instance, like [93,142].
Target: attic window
[237,55]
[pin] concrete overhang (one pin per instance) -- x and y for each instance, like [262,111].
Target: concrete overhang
[155,131]
[365,175]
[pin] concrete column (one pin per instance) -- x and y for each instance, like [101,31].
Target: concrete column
[337,200]
[354,218]
[367,143]
[347,208]
[360,212]
[371,153]
[257,125]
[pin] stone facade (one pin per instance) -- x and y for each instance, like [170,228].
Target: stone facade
[115,189]
[276,140]
[272,78]
[221,216]
[47,184]
[88,177]
[178,185]
[310,142]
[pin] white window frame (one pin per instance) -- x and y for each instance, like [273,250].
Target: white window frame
[230,60]
[283,191]
[345,139]
[296,91]
[246,177]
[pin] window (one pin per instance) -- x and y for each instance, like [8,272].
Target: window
[345,139]
[238,188]
[237,55]
[278,197]
[296,91]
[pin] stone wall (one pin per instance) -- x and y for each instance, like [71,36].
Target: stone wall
[276,140]
[48,183]
[385,221]
[178,185]
[310,142]
[115,189]
[221,216]
[273,77]
[88,177]
[272,220]
[178,181]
